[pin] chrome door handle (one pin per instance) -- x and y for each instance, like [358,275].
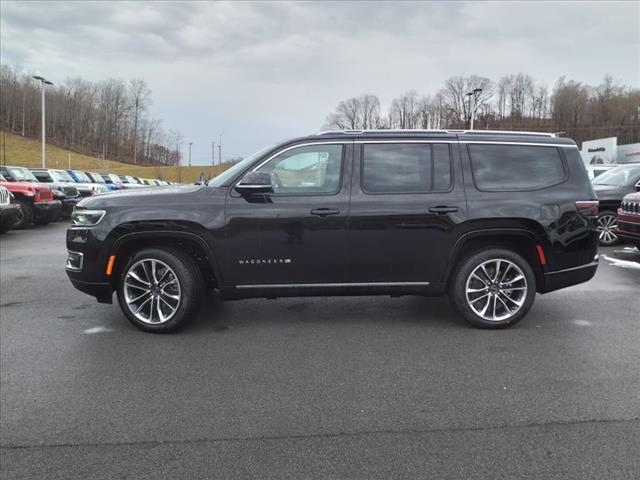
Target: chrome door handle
[323,212]
[443,210]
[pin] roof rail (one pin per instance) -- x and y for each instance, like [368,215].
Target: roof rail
[469,132]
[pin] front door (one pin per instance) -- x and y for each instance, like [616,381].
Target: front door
[407,201]
[296,235]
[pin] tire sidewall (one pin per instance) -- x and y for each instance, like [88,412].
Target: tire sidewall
[190,288]
[458,287]
[27,215]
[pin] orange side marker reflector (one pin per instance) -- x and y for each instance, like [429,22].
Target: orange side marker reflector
[543,260]
[112,260]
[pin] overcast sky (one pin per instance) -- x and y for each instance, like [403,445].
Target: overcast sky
[260,72]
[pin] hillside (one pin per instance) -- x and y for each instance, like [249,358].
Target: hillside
[17,150]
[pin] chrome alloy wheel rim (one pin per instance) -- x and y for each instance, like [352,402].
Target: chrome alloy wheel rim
[152,291]
[496,290]
[606,223]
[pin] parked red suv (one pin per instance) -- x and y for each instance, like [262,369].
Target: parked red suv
[36,202]
[628,228]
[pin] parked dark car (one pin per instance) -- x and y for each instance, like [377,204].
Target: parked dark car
[70,193]
[490,218]
[36,200]
[9,210]
[611,187]
[628,227]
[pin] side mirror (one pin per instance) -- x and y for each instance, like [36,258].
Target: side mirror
[255,182]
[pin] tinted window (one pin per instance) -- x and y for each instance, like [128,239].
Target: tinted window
[515,167]
[406,168]
[311,169]
[43,177]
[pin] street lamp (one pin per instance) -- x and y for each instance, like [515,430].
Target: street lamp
[43,81]
[190,143]
[472,111]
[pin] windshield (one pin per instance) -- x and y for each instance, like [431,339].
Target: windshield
[96,178]
[81,176]
[61,176]
[131,179]
[115,178]
[22,174]
[226,176]
[619,177]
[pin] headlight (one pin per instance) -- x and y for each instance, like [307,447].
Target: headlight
[87,218]
[58,193]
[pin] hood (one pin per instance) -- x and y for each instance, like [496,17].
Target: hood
[141,196]
[22,185]
[605,192]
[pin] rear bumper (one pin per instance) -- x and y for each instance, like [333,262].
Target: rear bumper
[569,276]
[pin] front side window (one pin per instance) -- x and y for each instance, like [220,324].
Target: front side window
[406,168]
[515,167]
[313,169]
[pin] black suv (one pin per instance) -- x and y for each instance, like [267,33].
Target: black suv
[489,218]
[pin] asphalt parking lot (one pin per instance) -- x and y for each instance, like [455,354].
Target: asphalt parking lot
[371,387]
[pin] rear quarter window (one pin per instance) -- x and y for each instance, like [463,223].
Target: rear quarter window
[515,167]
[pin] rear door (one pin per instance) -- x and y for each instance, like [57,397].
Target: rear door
[406,204]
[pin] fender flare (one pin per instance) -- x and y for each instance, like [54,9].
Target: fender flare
[486,232]
[170,234]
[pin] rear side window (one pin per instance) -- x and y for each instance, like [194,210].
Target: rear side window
[515,167]
[406,168]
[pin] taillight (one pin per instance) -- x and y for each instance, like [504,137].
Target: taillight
[587,208]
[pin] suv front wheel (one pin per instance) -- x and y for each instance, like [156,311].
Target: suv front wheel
[493,288]
[160,289]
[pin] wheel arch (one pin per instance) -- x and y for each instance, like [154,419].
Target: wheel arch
[192,243]
[522,241]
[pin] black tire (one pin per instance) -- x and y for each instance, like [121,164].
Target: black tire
[460,279]
[607,219]
[25,216]
[46,220]
[190,283]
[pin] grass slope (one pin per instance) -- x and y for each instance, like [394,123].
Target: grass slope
[26,152]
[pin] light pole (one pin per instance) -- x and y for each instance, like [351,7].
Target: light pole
[190,143]
[43,81]
[220,151]
[472,111]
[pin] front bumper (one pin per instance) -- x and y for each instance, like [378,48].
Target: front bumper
[47,209]
[68,204]
[569,276]
[102,291]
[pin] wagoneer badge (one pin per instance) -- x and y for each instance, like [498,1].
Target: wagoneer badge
[263,261]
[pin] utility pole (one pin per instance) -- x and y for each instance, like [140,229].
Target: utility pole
[190,143]
[472,110]
[213,154]
[44,82]
[220,151]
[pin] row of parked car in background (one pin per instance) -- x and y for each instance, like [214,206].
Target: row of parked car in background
[40,195]
[43,195]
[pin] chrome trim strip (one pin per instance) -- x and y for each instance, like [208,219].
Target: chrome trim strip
[587,265]
[328,285]
[306,144]
[520,143]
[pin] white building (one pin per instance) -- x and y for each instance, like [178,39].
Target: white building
[605,151]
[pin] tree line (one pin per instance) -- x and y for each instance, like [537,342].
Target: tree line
[515,102]
[107,119]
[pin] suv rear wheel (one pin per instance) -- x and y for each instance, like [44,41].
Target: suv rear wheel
[493,288]
[160,289]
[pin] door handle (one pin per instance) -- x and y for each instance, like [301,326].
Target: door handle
[323,212]
[441,210]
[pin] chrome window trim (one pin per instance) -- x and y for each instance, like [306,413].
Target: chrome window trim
[306,144]
[338,285]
